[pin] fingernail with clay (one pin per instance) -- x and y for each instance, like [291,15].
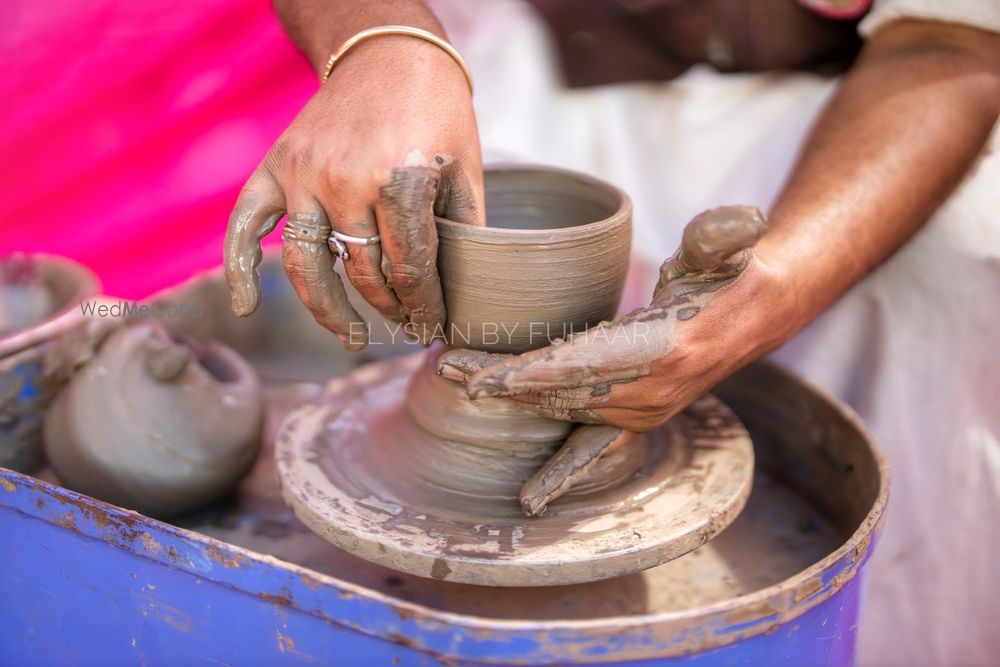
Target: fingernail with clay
[243,300]
[487,387]
[352,344]
[239,305]
[449,372]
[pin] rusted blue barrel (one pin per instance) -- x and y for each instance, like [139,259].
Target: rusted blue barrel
[243,583]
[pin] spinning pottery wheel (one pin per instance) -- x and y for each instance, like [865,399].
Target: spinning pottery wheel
[396,465]
[362,474]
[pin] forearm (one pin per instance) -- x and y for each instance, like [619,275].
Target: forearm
[318,27]
[904,127]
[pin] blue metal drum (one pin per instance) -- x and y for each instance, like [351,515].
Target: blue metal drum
[243,583]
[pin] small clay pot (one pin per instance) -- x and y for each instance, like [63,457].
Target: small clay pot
[40,299]
[551,261]
[156,424]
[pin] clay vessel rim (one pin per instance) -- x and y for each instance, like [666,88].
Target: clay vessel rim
[67,313]
[450,229]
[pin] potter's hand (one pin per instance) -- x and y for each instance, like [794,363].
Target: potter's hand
[387,143]
[636,372]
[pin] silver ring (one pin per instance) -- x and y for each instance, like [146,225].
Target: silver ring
[338,242]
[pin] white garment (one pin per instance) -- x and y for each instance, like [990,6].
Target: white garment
[912,347]
[983,14]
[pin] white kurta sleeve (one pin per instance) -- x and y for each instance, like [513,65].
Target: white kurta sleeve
[983,14]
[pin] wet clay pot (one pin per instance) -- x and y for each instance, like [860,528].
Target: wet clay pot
[397,465]
[155,424]
[40,299]
[551,260]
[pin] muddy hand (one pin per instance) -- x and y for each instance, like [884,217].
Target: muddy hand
[571,378]
[361,169]
[620,374]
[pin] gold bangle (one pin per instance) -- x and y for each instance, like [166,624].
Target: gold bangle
[396,30]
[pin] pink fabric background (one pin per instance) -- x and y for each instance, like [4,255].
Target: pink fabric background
[127,128]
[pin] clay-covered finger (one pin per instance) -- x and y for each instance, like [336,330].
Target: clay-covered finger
[459,198]
[713,236]
[610,352]
[576,404]
[309,264]
[255,215]
[622,439]
[405,213]
[581,451]
[460,365]
[363,264]
[715,249]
